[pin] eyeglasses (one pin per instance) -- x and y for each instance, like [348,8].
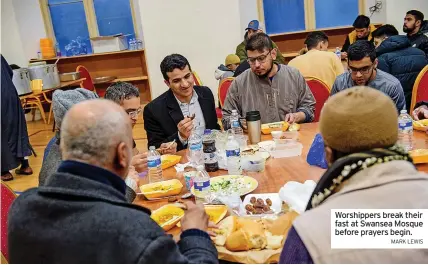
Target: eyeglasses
[261,58]
[363,71]
[134,114]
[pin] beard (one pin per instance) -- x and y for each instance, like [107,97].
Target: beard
[408,30]
[267,72]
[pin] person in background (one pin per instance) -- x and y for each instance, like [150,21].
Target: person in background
[278,91]
[128,97]
[84,203]
[228,68]
[318,61]
[255,27]
[362,71]
[417,30]
[366,171]
[362,31]
[396,57]
[15,143]
[184,107]
[62,101]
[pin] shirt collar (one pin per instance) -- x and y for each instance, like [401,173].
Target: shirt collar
[192,100]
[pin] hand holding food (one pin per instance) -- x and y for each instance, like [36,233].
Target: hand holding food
[195,217]
[168,148]
[139,162]
[185,127]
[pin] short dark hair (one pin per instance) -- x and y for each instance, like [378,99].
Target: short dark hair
[361,49]
[361,22]
[314,38]
[417,14]
[171,62]
[120,91]
[386,30]
[259,42]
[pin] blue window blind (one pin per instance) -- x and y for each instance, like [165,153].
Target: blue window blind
[69,23]
[284,15]
[114,17]
[335,13]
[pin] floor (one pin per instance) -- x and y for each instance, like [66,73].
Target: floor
[40,134]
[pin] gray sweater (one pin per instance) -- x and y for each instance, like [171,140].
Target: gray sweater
[51,163]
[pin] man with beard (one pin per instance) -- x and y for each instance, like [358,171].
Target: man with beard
[362,71]
[278,91]
[417,29]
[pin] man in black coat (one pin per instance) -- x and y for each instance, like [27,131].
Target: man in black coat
[15,144]
[417,30]
[180,110]
[81,215]
[396,57]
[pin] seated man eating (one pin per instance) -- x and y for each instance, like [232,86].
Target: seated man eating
[174,114]
[278,91]
[362,64]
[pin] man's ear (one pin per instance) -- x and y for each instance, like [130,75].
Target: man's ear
[274,53]
[122,154]
[418,23]
[166,82]
[375,63]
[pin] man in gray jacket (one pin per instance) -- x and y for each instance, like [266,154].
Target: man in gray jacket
[81,215]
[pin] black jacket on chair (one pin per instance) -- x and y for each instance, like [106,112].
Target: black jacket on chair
[162,115]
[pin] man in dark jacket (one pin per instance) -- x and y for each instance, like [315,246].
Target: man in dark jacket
[183,108]
[81,214]
[417,30]
[396,57]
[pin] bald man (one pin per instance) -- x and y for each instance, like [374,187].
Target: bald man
[81,214]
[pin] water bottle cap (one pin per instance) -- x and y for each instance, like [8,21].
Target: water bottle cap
[151,148]
[207,131]
[403,111]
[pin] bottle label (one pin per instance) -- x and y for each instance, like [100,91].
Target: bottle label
[201,186]
[210,158]
[235,124]
[196,147]
[235,152]
[154,162]
[405,125]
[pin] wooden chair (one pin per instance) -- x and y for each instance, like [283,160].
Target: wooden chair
[7,197]
[321,92]
[88,83]
[198,81]
[33,103]
[222,93]
[420,88]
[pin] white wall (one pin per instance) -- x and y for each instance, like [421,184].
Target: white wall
[204,31]
[11,44]
[396,11]
[378,16]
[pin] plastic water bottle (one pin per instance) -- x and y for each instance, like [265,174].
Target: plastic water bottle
[132,44]
[338,53]
[233,156]
[139,44]
[405,131]
[234,123]
[154,165]
[195,151]
[202,184]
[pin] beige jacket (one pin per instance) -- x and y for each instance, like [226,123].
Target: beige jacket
[393,185]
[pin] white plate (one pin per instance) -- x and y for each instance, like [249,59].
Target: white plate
[267,146]
[274,197]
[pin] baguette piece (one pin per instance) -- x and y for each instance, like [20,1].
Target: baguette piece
[226,228]
[254,231]
[238,241]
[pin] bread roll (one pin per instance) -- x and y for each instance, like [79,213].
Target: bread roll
[255,232]
[226,227]
[238,241]
[273,242]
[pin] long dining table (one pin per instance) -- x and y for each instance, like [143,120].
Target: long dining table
[278,171]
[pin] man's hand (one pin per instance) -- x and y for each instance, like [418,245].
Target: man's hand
[420,113]
[165,149]
[195,217]
[139,162]
[185,128]
[295,117]
[344,55]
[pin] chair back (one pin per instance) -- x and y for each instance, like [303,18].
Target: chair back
[321,92]
[7,197]
[198,81]
[223,88]
[420,88]
[87,83]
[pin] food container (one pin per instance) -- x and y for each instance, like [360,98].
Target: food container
[285,137]
[169,160]
[274,197]
[419,156]
[267,128]
[253,163]
[113,43]
[69,76]
[287,150]
[21,80]
[161,189]
[215,212]
[103,79]
[167,216]
[297,194]
[48,73]
[421,125]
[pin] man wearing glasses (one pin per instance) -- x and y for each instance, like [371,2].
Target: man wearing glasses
[278,91]
[128,97]
[362,66]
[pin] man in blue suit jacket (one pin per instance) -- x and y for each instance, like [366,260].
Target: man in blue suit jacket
[396,57]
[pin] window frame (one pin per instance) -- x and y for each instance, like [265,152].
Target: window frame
[91,19]
[310,19]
